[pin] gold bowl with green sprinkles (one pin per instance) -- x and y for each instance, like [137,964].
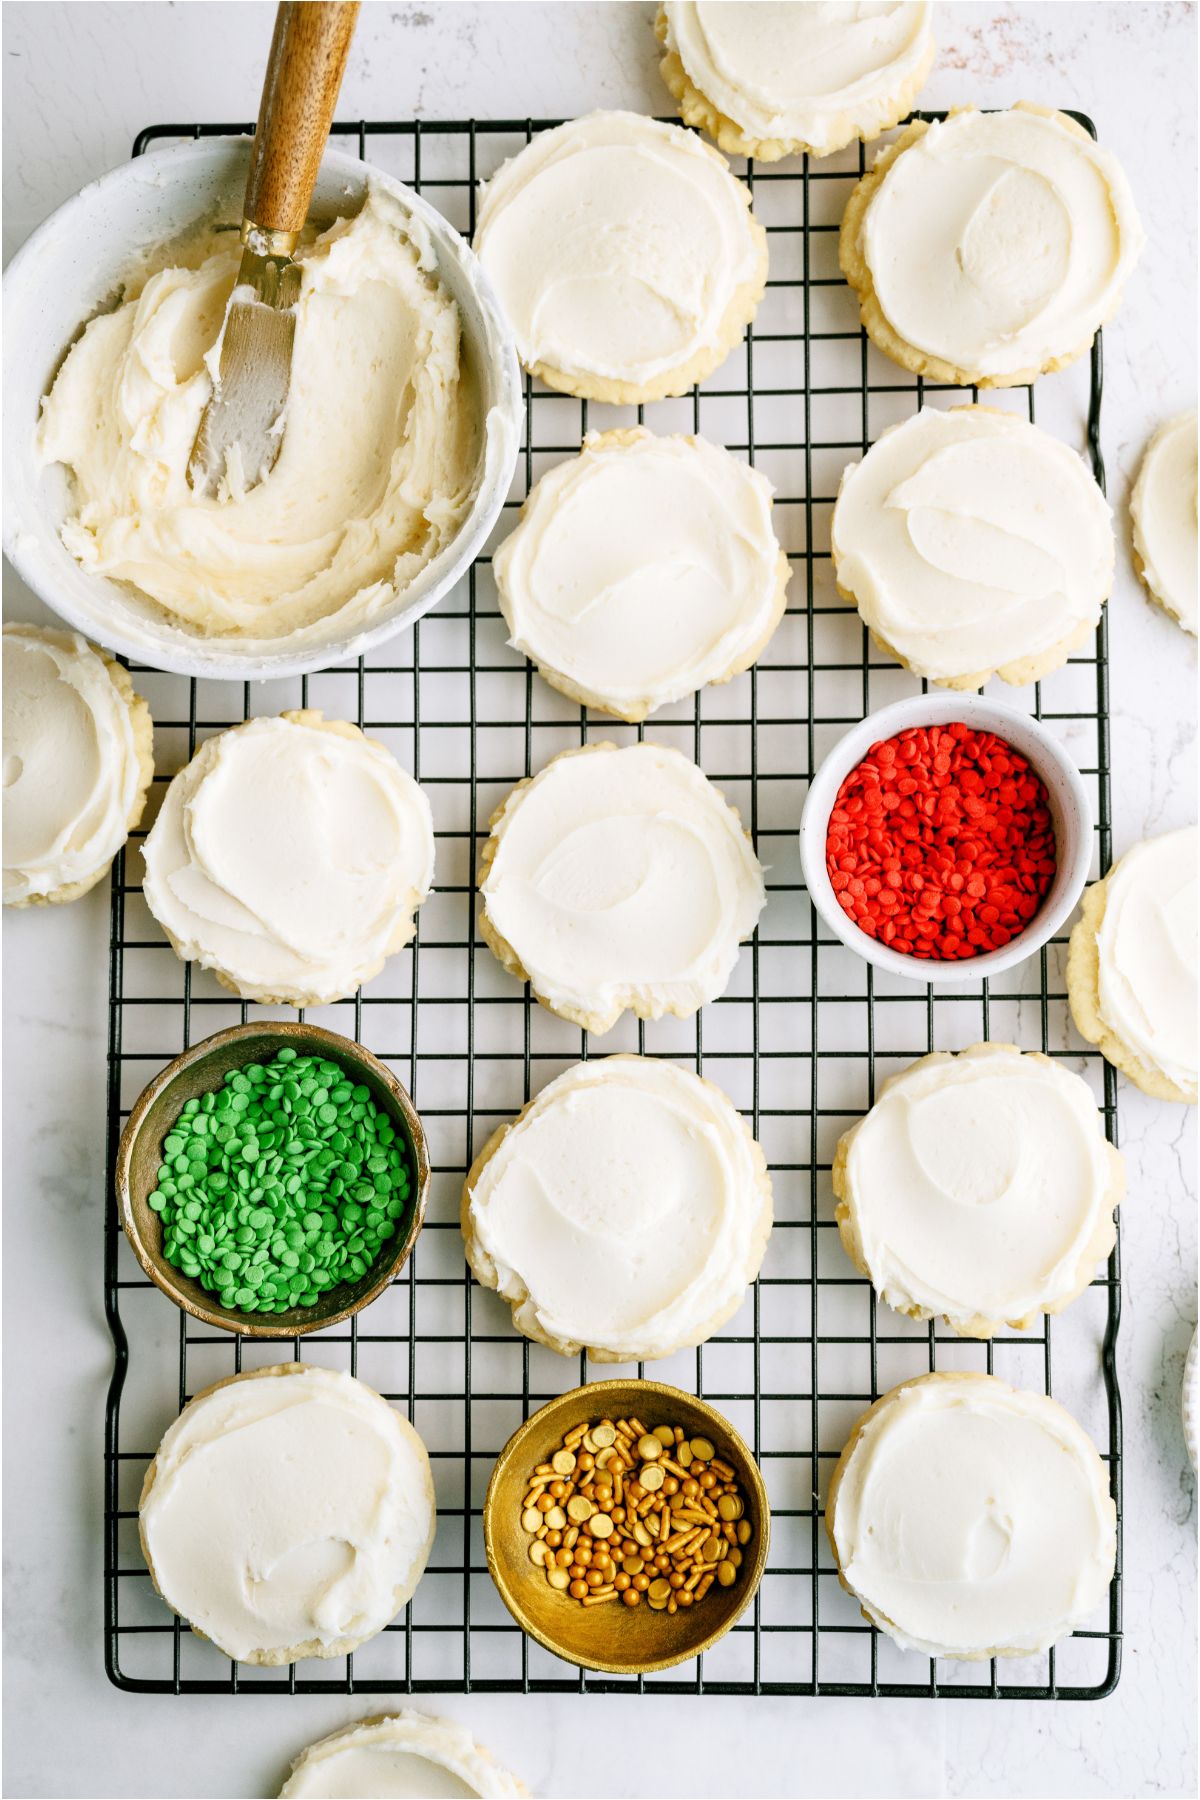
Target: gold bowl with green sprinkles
[272,1180]
[561,1498]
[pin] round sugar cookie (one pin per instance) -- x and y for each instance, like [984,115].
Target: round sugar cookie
[1162,508]
[399,1754]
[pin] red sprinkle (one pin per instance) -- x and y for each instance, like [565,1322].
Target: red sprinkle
[940,843]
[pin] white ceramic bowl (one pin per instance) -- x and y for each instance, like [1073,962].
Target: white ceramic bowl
[74,266]
[1069,808]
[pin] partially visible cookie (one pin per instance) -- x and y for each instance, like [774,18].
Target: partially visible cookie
[772,80]
[78,762]
[1162,508]
[641,570]
[991,247]
[399,1753]
[625,256]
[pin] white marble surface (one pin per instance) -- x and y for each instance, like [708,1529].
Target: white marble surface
[79,80]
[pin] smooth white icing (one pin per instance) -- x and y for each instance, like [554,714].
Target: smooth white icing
[616,245]
[1163,505]
[642,570]
[379,454]
[1147,947]
[288,1509]
[622,878]
[1000,241]
[409,1754]
[971,540]
[290,858]
[71,773]
[977,1183]
[818,74]
[625,1211]
[973,1516]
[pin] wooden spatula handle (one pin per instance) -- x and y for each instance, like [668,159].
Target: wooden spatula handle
[308,57]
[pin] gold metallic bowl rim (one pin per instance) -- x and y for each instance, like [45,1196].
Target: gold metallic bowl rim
[298,1321]
[591,1397]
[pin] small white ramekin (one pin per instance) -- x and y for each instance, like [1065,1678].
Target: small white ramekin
[1069,809]
[75,265]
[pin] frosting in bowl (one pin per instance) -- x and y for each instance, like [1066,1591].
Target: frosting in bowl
[406,1754]
[970,1518]
[971,542]
[642,569]
[626,1210]
[73,768]
[380,449]
[290,1510]
[617,246]
[1000,242]
[620,878]
[1147,947]
[290,856]
[1163,507]
[979,1187]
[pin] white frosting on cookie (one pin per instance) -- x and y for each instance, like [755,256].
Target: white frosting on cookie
[817,74]
[71,771]
[288,1510]
[1147,946]
[623,878]
[616,245]
[978,1183]
[970,540]
[408,1755]
[972,1517]
[290,858]
[642,570]
[1001,241]
[1163,506]
[626,1210]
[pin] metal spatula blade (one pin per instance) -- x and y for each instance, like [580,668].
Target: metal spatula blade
[241,429]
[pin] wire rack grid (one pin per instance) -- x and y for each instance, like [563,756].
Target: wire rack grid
[801,1041]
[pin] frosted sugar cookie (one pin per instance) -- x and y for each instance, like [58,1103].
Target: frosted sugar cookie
[772,80]
[641,570]
[1163,509]
[78,762]
[288,1512]
[973,544]
[619,878]
[625,1211]
[971,1519]
[980,1187]
[404,1753]
[1131,967]
[290,857]
[991,247]
[625,255]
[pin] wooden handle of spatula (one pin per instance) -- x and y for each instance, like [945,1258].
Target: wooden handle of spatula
[308,57]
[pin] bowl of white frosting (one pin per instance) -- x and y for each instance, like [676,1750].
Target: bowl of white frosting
[399,437]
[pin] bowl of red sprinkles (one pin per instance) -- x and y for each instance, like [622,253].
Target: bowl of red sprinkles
[946,838]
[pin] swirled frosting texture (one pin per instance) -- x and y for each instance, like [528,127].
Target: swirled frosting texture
[1000,242]
[1163,506]
[72,772]
[290,856]
[621,878]
[972,542]
[626,1210]
[642,569]
[972,1518]
[288,1509]
[407,1754]
[1147,947]
[616,245]
[380,449]
[979,1187]
[816,75]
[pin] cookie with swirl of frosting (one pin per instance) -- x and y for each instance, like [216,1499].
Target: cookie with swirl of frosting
[1162,508]
[408,1752]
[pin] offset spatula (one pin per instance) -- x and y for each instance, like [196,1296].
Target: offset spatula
[242,426]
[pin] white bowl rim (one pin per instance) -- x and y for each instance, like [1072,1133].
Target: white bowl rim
[943,708]
[211,658]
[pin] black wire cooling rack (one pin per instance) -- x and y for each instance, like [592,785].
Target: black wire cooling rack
[801,1041]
